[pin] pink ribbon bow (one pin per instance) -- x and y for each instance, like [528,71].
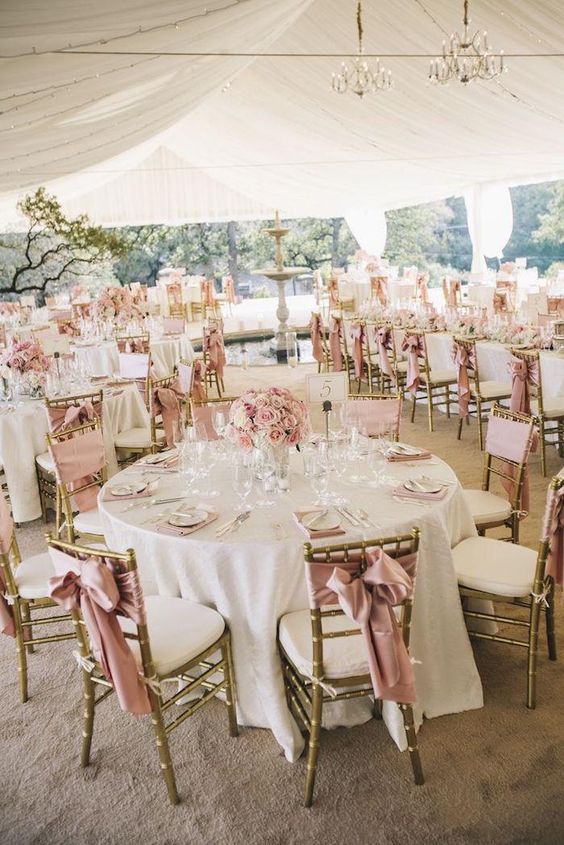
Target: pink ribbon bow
[333,286]
[379,289]
[316,328]
[413,346]
[166,403]
[208,297]
[198,389]
[97,592]
[525,374]
[553,531]
[358,337]
[383,343]
[61,419]
[335,329]
[216,352]
[368,598]
[230,290]
[462,358]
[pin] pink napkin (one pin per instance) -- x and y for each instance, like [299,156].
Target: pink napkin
[165,527]
[403,493]
[148,491]
[169,464]
[311,533]
[423,455]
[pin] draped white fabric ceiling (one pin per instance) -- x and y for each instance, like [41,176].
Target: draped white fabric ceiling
[152,138]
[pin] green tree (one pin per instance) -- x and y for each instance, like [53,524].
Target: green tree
[54,249]
[412,233]
[548,236]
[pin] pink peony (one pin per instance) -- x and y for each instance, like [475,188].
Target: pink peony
[294,437]
[276,436]
[265,416]
[244,442]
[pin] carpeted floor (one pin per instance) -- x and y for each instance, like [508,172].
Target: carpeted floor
[492,776]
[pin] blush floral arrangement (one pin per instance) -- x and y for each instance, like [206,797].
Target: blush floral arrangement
[115,304]
[26,360]
[271,418]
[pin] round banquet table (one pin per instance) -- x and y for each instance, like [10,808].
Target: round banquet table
[255,575]
[102,357]
[22,438]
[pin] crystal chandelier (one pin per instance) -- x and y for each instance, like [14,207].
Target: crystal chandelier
[359,77]
[468,58]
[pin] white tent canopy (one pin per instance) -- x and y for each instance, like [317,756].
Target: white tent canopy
[134,139]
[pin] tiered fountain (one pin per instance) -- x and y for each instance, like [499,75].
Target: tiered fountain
[280,275]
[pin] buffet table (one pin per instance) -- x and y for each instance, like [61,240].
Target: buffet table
[256,575]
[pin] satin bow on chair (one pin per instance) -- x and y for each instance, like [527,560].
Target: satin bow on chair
[383,343]
[379,289]
[414,348]
[462,358]
[553,531]
[198,374]
[216,352]
[525,374]
[368,598]
[166,402]
[96,593]
[61,419]
[357,336]
[316,329]
[335,328]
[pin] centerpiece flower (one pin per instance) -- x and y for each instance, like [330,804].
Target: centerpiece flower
[26,360]
[115,303]
[270,418]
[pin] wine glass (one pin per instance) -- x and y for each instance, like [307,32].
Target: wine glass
[219,421]
[319,478]
[189,466]
[242,482]
[207,457]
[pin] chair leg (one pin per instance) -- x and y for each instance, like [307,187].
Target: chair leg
[430,406]
[413,403]
[550,634]
[313,744]
[532,655]
[542,447]
[21,655]
[88,695]
[25,615]
[460,421]
[163,749]
[447,396]
[480,429]
[409,725]
[230,695]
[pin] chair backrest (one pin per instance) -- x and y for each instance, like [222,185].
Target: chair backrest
[552,535]
[509,439]
[139,344]
[80,464]
[527,363]
[58,408]
[96,587]
[165,395]
[202,413]
[375,413]
[469,352]
[326,567]
[135,365]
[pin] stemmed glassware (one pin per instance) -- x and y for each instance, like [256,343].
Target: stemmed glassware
[242,481]
[265,468]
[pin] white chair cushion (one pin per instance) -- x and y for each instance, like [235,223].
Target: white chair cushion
[553,407]
[179,630]
[487,507]
[493,566]
[440,376]
[32,576]
[493,390]
[136,438]
[342,656]
[88,522]
[45,461]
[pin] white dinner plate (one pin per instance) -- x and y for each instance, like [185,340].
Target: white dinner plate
[422,485]
[128,489]
[160,457]
[188,519]
[323,523]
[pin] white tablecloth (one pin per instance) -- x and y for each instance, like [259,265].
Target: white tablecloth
[22,438]
[102,358]
[252,579]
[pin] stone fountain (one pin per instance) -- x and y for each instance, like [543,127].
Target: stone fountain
[280,275]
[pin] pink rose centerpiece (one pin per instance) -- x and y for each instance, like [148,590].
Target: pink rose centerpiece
[115,304]
[270,418]
[25,360]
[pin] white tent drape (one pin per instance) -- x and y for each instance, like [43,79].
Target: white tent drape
[175,138]
[369,228]
[490,222]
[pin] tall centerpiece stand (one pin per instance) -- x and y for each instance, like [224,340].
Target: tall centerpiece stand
[281,275]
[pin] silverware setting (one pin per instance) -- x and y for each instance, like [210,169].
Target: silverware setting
[233,524]
[349,516]
[151,503]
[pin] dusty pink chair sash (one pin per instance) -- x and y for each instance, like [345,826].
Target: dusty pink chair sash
[512,441]
[199,393]
[7,625]
[553,531]
[379,289]
[371,414]
[413,345]
[464,361]
[368,598]
[76,461]
[229,290]
[422,289]
[90,586]
[316,330]
[383,337]
[333,286]
[335,328]
[166,403]
[62,418]
[357,336]
[216,351]
[203,414]
[173,325]
[208,295]
[134,365]
[524,374]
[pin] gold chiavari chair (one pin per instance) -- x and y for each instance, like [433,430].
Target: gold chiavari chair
[145,440]
[398,363]
[373,372]
[436,384]
[490,510]
[344,342]
[374,411]
[482,394]
[56,409]
[212,378]
[201,411]
[325,363]
[139,343]
[174,298]
[547,411]
[499,572]
[320,652]
[72,490]
[25,592]
[174,640]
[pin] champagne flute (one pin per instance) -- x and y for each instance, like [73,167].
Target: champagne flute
[242,482]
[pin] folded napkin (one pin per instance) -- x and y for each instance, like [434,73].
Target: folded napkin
[422,455]
[311,533]
[148,491]
[166,528]
[403,493]
[168,463]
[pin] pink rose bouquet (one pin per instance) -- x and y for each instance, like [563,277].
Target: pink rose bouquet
[115,303]
[270,417]
[25,357]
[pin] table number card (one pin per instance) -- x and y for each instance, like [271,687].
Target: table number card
[326,387]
